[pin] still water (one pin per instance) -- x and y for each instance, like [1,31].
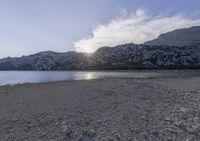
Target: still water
[18,77]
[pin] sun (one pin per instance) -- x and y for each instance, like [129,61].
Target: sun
[85,49]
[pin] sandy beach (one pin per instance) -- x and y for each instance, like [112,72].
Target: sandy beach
[102,110]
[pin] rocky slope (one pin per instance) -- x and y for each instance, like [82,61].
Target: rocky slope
[128,56]
[180,37]
[46,61]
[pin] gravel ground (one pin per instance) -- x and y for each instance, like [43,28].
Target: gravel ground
[102,110]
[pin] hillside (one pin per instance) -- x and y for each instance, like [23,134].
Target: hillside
[128,56]
[178,49]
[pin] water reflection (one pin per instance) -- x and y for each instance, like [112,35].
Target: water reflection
[90,75]
[85,76]
[15,77]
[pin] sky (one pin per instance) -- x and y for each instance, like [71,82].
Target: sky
[31,26]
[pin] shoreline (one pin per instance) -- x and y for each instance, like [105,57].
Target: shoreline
[101,109]
[32,77]
[93,79]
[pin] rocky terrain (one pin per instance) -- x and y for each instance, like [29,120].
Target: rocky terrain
[128,56]
[102,110]
[46,61]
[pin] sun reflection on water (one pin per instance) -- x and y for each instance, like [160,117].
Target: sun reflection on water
[85,76]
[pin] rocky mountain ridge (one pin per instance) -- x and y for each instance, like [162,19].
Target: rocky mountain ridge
[128,56]
[179,49]
[180,37]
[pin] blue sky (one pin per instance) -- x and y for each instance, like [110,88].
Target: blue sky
[30,26]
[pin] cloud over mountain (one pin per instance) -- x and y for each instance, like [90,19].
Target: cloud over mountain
[135,28]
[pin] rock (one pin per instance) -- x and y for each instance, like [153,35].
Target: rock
[180,124]
[105,120]
[91,133]
[99,121]
[143,117]
[171,130]
[168,119]
[30,125]
[184,110]
[63,122]
[43,134]
[117,136]
[134,130]
[67,130]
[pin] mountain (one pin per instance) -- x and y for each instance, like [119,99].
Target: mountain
[128,56]
[179,49]
[46,61]
[180,37]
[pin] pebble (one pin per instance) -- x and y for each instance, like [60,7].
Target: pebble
[99,121]
[171,130]
[117,136]
[184,110]
[168,119]
[91,133]
[43,134]
[134,130]
[30,125]
[67,130]
[179,124]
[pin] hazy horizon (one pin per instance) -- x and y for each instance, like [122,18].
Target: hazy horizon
[28,27]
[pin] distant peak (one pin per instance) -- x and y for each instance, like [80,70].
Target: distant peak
[179,37]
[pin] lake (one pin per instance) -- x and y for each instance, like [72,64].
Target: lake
[18,77]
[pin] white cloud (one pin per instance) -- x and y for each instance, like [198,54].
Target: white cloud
[135,28]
